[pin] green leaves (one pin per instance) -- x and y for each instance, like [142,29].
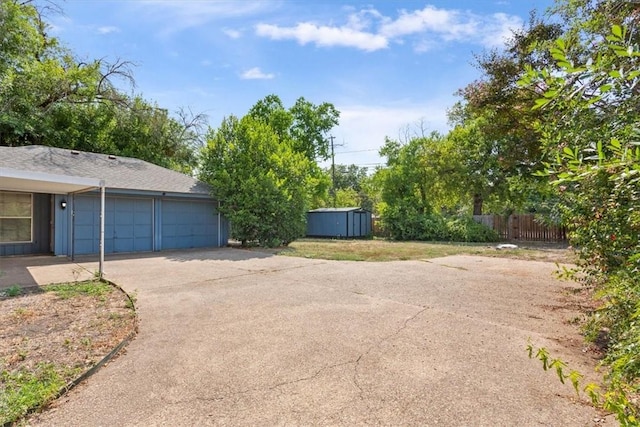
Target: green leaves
[262,174]
[591,129]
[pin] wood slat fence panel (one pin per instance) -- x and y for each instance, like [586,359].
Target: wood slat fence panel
[523,227]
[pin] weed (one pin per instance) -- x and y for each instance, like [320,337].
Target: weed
[13,291]
[115,316]
[70,290]
[575,321]
[130,302]
[25,390]
[23,313]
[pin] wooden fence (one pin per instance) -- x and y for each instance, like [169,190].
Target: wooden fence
[523,227]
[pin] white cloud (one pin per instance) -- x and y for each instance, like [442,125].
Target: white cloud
[256,73]
[232,34]
[369,30]
[499,29]
[324,36]
[108,30]
[428,19]
[363,128]
[179,15]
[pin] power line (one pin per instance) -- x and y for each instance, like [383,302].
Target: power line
[356,151]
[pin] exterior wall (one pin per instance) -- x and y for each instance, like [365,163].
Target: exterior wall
[354,223]
[327,224]
[362,224]
[40,230]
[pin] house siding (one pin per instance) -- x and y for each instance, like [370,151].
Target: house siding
[339,223]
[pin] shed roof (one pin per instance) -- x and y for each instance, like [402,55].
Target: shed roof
[117,172]
[337,209]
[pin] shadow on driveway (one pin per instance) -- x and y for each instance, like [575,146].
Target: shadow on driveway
[33,271]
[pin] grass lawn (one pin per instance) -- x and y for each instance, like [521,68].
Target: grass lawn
[387,250]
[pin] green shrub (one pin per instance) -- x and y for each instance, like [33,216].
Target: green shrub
[465,229]
[411,225]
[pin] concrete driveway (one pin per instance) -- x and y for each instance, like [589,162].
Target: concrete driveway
[231,337]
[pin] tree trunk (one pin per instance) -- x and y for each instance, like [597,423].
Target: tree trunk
[477,204]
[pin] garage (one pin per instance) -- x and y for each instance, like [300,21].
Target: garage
[189,224]
[128,225]
[52,203]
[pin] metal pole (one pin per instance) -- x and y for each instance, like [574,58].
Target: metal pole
[219,226]
[102,203]
[333,172]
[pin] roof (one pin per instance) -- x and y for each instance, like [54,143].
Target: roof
[336,210]
[117,172]
[38,182]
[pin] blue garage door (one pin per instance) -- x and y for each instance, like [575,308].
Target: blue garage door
[128,225]
[189,224]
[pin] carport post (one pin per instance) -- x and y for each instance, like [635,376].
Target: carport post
[101,263]
[219,230]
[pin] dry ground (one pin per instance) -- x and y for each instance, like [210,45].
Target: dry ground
[73,332]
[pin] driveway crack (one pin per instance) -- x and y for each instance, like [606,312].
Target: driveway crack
[404,325]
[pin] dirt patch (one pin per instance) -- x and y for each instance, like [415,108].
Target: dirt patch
[72,332]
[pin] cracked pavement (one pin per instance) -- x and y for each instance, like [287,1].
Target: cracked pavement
[233,337]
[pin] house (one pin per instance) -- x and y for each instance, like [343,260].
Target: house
[66,202]
[339,222]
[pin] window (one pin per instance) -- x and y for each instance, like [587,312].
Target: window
[15,217]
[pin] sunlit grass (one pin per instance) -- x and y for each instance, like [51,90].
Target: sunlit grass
[387,250]
[24,390]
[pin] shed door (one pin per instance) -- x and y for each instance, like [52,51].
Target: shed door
[128,225]
[189,224]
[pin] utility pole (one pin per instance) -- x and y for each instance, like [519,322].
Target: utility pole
[333,171]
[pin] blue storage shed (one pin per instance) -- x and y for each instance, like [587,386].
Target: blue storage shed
[339,222]
[51,203]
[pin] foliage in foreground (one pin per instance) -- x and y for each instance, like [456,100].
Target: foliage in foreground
[593,132]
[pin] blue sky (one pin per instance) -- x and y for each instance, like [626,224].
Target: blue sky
[386,65]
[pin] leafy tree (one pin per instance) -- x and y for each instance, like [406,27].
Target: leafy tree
[420,182]
[305,124]
[263,177]
[347,197]
[37,74]
[350,187]
[494,125]
[349,176]
[47,97]
[419,173]
[311,123]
